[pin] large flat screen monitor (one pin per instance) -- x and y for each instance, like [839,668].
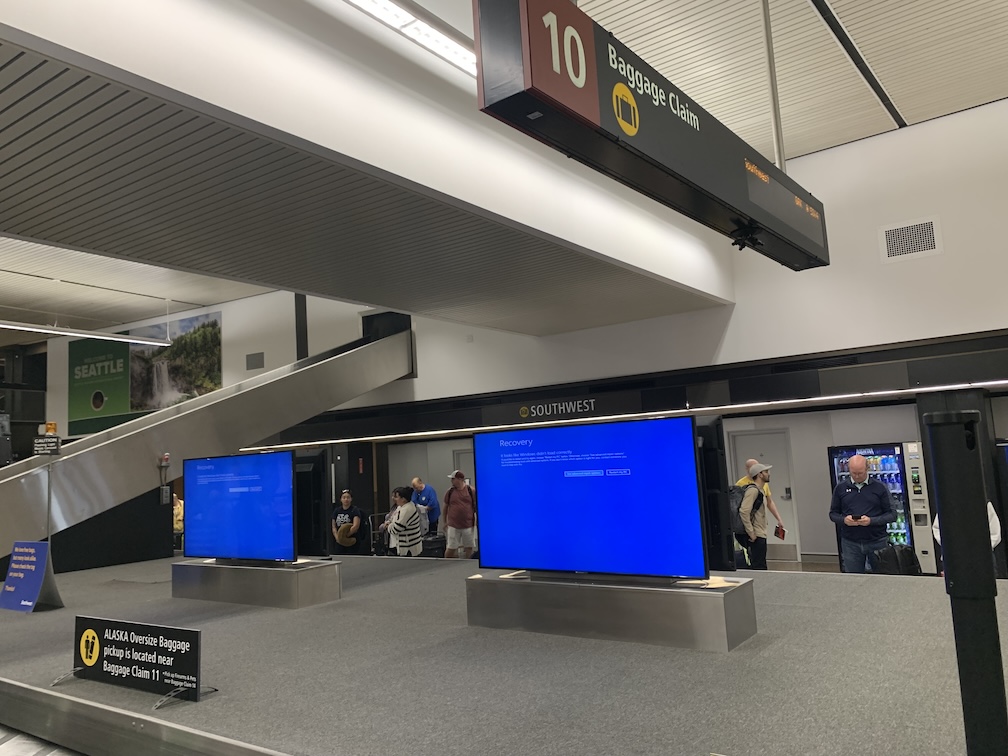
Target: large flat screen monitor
[240,507]
[617,498]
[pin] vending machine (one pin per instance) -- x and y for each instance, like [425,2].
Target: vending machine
[899,467]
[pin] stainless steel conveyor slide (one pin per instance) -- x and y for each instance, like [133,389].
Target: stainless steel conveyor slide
[106,469]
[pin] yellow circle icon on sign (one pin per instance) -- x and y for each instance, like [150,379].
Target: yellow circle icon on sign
[89,647]
[523,412]
[625,107]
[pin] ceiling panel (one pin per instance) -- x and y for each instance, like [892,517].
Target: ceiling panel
[933,57]
[45,285]
[824,100]
[715,52]
[184,290]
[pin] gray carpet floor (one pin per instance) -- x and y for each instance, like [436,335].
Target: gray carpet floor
[842,664]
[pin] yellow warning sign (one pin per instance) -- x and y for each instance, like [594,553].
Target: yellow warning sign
[625,108]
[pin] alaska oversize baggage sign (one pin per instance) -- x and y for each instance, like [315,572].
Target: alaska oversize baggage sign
[155,658]
[547,69]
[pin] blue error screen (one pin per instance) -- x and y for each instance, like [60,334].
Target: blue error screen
[240,507]
[618,498]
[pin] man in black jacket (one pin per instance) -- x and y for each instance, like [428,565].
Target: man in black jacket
[862,508]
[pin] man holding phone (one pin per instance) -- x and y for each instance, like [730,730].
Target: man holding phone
[861,508]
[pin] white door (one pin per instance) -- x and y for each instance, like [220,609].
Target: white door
[771,448]
[465,462]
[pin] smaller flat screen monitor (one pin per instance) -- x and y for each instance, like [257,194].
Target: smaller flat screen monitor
[617,498]
[240,507]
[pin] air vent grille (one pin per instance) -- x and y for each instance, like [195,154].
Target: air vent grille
[913,239]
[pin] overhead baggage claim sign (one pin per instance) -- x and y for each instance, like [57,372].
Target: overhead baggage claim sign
[547,69]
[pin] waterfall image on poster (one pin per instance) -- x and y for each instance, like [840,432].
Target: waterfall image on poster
[190,367]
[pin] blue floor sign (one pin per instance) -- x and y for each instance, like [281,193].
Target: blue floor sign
[25,576]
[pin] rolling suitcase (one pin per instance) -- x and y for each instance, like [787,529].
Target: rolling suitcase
[434,545]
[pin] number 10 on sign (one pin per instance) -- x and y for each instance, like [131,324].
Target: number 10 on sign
[571,41]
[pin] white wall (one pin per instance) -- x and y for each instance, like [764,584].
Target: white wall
[454,359]
[331,323]
[257,324]
[857,301]
[951,168]
[811,434]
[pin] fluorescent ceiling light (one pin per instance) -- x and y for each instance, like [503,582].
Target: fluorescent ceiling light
[425,34]
[721,409]
[7,325]
[388,13]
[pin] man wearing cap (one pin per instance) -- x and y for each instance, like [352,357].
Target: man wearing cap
[753,515]
[459,516]
[861,508]
[767,497]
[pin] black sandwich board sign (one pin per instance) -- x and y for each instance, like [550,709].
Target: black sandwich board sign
[546,68]
[155,658]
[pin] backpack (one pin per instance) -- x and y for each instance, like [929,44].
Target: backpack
[735,496]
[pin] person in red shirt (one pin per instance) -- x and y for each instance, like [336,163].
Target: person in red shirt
[459,514]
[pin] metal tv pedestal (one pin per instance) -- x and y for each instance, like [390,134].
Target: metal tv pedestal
[290,586]
[683,615]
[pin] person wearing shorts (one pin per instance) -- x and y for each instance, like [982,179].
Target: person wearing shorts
[459,513]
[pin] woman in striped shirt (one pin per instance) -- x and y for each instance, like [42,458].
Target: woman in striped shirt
[404,529]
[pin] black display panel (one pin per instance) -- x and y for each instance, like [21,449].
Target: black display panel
[606,498]
[547,69]
[240,507]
